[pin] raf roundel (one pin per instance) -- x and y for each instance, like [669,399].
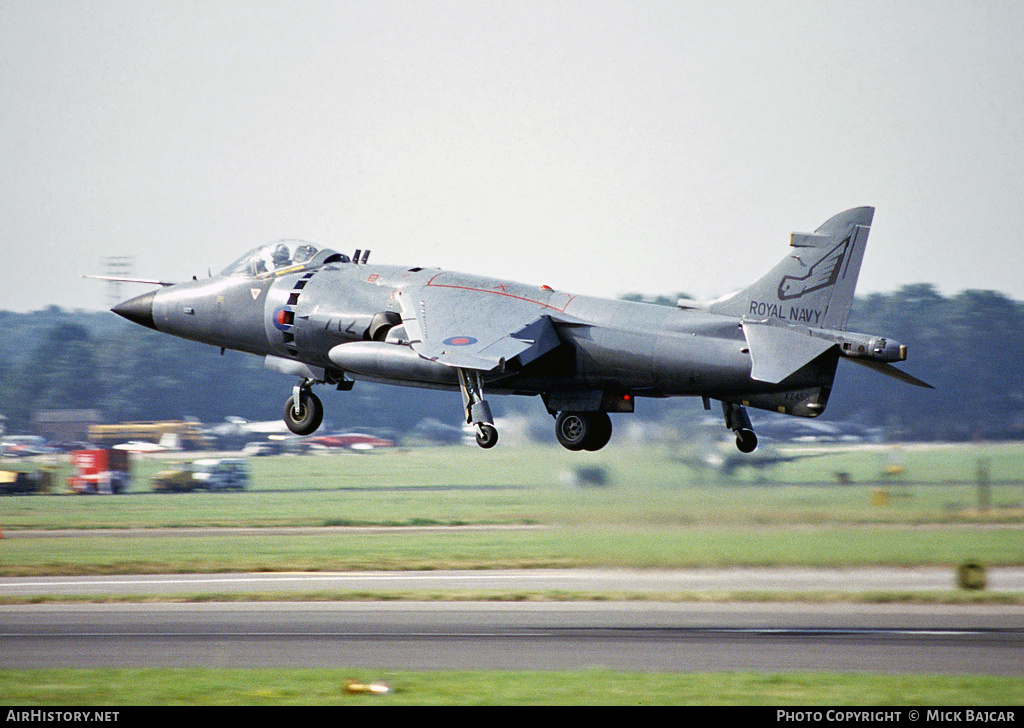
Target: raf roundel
[283,319]
[460,341]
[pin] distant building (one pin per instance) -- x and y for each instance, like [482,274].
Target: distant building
[70,425]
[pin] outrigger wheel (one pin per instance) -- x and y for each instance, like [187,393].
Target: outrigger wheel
[486,435]
[737,420]
[478,412]
[304,417]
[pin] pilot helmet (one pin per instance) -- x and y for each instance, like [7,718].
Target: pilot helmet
[282,255]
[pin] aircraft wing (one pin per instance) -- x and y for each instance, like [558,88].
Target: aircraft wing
[480,323]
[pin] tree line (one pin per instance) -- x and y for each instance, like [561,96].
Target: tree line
[970,346]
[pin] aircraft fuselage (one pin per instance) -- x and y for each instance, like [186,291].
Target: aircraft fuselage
[630,348]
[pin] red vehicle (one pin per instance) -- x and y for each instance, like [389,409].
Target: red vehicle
[351,440]
[100,471]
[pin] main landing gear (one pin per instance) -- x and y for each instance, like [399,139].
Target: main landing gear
[583,430]
[574,430]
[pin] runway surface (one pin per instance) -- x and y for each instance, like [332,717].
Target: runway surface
[582,580]
[628,635]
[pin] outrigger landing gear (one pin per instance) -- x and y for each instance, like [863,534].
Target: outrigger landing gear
[303,411]
[478,412]
[737,420]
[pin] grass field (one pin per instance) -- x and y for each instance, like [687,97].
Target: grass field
[588,687]
[535,485]
[595,546]
[654,511]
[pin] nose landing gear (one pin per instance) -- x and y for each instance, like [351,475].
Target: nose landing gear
[303,411]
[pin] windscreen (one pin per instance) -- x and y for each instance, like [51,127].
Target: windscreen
[282,255]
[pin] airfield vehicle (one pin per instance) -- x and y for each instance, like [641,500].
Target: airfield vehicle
[213,474]
[25,482]
[100,471]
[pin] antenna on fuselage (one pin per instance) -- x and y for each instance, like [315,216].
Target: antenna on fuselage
[355,258]
[366,257]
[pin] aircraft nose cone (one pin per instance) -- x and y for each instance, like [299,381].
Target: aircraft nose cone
[138,310]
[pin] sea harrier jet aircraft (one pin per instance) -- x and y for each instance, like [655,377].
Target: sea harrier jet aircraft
[325,318]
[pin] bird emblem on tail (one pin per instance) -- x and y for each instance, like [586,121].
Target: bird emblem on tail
[822,274]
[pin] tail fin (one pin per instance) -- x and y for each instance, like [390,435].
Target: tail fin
[814,285]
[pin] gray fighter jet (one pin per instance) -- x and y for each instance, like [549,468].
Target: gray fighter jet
[325,318]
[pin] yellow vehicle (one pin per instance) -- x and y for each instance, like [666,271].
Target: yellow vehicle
[213,474]
[25,482]
[175,480]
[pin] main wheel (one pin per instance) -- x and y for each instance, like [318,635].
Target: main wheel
[600,431]
[486,435]
[571,429]
[305,419]
[583,430]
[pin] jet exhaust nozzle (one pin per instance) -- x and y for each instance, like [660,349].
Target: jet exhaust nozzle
[138,310]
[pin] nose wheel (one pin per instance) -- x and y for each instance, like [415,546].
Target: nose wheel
[303,412]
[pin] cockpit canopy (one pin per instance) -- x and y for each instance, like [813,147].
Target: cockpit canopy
[283,255]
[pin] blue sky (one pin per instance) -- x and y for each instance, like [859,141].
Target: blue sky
[598,147]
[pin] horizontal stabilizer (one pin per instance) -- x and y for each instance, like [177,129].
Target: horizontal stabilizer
[890,371]
[777,352]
